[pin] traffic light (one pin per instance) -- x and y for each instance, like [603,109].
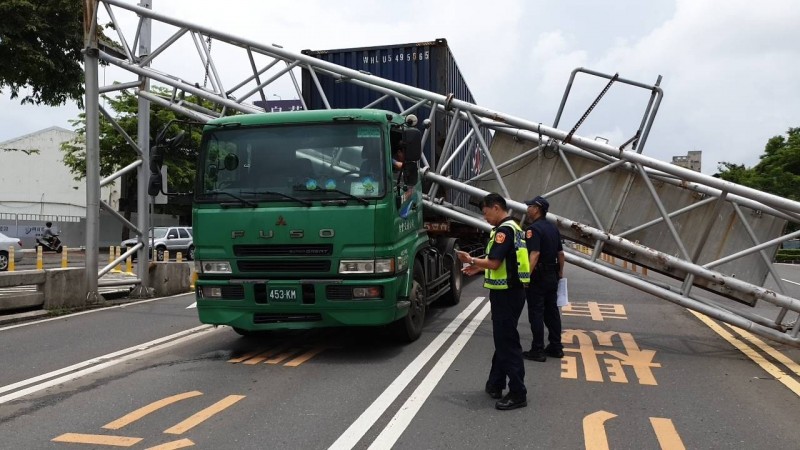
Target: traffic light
[154,186]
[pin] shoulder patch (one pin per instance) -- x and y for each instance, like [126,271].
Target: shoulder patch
[500,238]
[529,234]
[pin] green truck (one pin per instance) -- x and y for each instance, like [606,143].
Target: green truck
[308,219]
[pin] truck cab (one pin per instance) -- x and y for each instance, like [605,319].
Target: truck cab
[303,220]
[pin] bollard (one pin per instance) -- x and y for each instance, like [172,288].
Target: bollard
[115,255]
[644,271]
[155,255]
[64,257]
[11,264]
[192,280]
[624,264]
[110,254]
[129,265]
[179,257]
[166,255]
[39,263]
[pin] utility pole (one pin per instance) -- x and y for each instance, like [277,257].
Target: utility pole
[143,201]
[92,98]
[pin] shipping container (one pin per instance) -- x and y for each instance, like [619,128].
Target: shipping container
[426,65]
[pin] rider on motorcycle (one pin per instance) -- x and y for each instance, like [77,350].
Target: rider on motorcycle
[48,234]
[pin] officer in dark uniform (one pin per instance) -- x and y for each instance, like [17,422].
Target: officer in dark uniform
[506,271]
[547,267]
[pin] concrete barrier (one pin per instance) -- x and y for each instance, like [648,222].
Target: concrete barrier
[169,278]
[65,288]
[23,299]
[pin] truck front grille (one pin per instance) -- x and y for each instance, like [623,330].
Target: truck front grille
[286,317]
[284,266]
[284,250]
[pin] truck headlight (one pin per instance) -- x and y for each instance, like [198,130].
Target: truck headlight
[215,267]
[364,266]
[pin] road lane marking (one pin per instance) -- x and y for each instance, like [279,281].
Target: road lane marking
[90,311]
[145,410]
[771,369]
[97,439]
[411,407]
[667,435]
[174,445]
[780,357]
[790,281]
[356,431]
[594,430]
[193,305]
[305,357]
[100,363]
[203,415]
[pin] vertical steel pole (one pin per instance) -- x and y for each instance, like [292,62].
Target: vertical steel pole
[142,199]
[92,101]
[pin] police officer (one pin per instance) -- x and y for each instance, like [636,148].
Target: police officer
[506,272]
[547,267]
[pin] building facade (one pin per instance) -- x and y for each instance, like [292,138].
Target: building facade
[692,160]
[35,180]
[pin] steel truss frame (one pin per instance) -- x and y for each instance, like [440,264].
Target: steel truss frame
[269,63]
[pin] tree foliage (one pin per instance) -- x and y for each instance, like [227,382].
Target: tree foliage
[115,152]
[778,170]
[40,50]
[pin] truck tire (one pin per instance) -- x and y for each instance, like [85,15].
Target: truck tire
[190,253]
[160,253]
[409,328]
[3,261]
[456,280]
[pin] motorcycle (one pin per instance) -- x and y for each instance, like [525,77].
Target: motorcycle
[50,245]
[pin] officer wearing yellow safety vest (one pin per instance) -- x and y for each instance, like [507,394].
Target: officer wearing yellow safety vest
[507,271]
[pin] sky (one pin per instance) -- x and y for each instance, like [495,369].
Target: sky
[730,69]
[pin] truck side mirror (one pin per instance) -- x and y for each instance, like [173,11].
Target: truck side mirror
[411,172]
[412,138]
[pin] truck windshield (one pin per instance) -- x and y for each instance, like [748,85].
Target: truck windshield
[306,161]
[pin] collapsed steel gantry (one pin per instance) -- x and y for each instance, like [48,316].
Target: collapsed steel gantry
[640,209]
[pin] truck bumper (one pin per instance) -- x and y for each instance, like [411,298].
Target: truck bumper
[319,303]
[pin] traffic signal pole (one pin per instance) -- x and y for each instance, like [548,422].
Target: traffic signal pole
[92,99]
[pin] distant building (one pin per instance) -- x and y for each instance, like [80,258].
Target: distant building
[691,161]
[38,182]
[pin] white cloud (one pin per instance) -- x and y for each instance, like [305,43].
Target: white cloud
[730,68]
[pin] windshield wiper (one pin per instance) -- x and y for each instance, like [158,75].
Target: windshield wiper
[346,194]
[241,200]
[281,194]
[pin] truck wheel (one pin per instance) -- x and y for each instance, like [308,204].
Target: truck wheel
[3,261]
[456,280]
[409,328]
[190,253]
[160,253]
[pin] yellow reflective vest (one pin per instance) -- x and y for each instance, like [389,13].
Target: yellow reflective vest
[498,278]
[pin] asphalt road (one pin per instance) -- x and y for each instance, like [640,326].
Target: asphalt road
[639,373]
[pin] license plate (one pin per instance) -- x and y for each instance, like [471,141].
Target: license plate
[282,294]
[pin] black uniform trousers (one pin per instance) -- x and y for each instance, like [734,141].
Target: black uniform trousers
[543,311]
[507,360]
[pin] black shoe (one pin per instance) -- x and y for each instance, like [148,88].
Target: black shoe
[494,392]
[554,353]
[511,402]
[535,355]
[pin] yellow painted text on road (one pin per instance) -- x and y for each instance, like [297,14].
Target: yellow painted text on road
[580,348]
[597,311]
[595,438]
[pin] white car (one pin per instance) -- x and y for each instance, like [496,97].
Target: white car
[174,239]
[5,243]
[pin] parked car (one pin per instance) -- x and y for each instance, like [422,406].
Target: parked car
[174,239]
[5,243]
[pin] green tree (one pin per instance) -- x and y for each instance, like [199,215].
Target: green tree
[40,50]
[778,169]
[115,152]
